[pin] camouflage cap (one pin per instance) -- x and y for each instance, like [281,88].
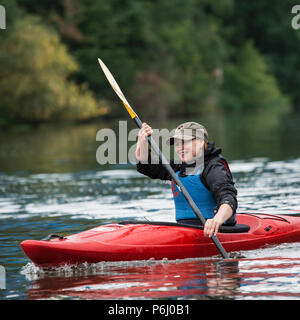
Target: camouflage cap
[189,131]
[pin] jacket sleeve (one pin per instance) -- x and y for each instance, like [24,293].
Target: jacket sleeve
[154,169]
[220,183]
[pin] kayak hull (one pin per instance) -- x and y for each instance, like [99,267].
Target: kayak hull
[144,240]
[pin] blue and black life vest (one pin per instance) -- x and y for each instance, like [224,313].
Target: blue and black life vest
[199,193]
[202,197]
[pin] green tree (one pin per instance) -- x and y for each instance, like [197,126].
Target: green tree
[248,84]
[164,54]
[268,24]
[181,57]
[183,52]
[34,77]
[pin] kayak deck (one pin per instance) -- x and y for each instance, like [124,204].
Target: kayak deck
[143,240]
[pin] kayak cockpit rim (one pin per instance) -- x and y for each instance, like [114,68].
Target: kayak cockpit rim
[238,228]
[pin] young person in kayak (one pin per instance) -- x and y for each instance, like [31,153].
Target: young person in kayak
[210,184]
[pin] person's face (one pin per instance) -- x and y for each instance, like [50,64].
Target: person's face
[189,150]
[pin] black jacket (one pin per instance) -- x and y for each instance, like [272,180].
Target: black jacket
[214,176]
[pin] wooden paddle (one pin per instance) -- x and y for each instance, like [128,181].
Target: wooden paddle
[162,158]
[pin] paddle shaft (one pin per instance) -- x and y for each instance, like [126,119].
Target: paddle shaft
[183,190]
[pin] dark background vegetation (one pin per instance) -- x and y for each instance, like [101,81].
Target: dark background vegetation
[170,57]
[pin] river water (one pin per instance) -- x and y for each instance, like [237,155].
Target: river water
[50,182]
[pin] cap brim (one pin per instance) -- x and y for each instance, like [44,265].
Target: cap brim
[170,141]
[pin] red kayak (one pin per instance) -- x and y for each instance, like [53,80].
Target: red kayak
[143,240]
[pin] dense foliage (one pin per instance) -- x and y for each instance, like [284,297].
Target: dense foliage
[172,56]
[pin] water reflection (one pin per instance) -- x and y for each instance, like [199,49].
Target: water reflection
[190,279]
[73,148]
[241,278]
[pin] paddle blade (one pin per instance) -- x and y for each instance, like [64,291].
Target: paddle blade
[116,88]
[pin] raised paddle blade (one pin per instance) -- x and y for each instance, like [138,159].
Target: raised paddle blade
[116,88]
